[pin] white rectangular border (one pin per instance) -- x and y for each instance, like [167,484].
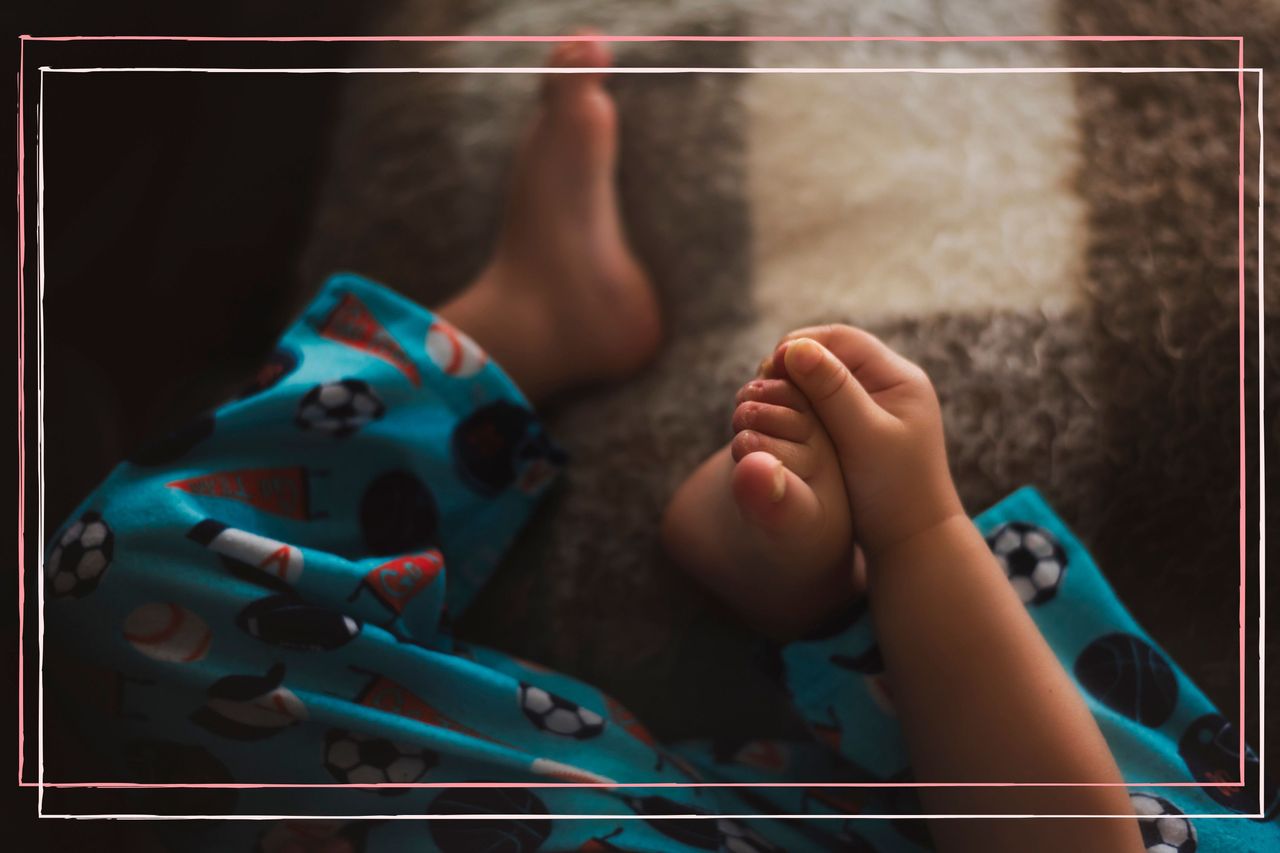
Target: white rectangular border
[40,784]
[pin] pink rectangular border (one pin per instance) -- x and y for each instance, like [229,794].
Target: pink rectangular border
[607,38]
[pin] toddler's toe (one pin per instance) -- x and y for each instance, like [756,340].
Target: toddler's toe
[772,497]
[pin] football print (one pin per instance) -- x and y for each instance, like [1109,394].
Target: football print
[250,707]
[339,408]
[559,716]
[1164,829]
[1032,559]
[80,558]
[359,759]
[286,621]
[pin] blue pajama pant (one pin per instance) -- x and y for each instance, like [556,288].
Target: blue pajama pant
[265,596]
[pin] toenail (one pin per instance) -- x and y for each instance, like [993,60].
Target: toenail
[779,486]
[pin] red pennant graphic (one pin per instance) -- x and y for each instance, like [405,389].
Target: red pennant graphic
[354,325]
[397,581]
[627,721]
[282,491]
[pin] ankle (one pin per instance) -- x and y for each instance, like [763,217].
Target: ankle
[512,332]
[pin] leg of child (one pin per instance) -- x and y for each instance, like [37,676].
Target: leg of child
[563,301]
[764,522]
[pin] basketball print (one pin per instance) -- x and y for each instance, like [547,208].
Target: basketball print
[167,632]
[1211,749]
[453,351]
[1130,677]
[502,444]
[398,514]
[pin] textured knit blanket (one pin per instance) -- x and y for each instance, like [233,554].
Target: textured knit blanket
[1059,251]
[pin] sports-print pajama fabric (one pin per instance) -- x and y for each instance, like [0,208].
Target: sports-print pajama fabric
[265,597]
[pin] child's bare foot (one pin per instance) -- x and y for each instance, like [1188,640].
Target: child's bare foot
[564,301]
[765,522]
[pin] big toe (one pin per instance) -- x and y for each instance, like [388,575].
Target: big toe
[772,497]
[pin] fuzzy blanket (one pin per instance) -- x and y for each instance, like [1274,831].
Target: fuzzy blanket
[1057,250]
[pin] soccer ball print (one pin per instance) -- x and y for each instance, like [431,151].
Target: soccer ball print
[558,716]
[82,556]
[339,408]
[1164,829]
[1032,559]
[359,759]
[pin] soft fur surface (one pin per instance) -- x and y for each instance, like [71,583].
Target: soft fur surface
[1058,251]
